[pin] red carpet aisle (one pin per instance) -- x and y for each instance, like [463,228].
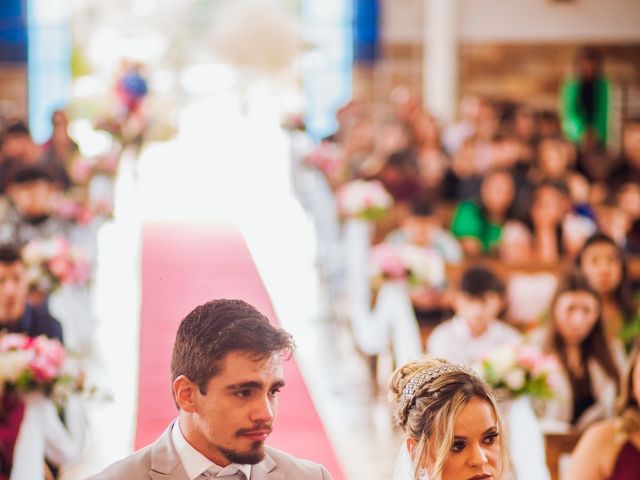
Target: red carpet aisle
[184,265]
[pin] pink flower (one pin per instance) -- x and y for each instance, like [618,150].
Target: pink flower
[387,261]
[42,369]
[14,341]
[530,358]
[80,170]
[49,358]
[59,267]
[80,271]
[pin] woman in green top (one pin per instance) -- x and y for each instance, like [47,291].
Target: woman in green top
[585,101]
[478,225]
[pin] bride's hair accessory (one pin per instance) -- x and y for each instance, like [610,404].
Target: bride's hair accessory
[420,379]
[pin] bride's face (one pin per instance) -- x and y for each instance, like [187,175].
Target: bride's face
[475,454]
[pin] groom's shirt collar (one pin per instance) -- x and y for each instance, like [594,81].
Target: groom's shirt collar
[194,462]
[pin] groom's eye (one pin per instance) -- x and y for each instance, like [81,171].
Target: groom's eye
[243,393]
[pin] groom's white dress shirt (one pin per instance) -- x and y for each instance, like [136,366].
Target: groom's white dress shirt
[196,463]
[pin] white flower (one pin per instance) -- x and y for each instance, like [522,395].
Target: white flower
[13,363]
[503,360]
[515,379]
[358,196]
[425,263]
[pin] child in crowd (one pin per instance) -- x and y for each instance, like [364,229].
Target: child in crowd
[590,363]
[475,329]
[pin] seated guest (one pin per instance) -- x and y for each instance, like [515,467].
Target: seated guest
[628,198]
[548,209]
[478,225]
[60,147]
[628,169]
[516,245]
[556,158]
[475,329]
[16,315]
[603,264]
[435,177]
[610,450]
[589,375]
[32,193]
[20,151]
[399,175]
[613,222]
[422,228]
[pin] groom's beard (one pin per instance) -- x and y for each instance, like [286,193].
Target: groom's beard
[254,455]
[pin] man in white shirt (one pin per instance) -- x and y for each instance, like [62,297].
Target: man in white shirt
[474,330]
[227,372]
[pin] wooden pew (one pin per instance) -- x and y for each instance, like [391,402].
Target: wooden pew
[556,445]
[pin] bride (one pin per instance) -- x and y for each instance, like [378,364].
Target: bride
[451,423]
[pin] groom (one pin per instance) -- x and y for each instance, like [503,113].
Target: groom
[227,371]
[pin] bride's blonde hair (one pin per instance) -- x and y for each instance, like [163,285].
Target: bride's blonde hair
[428,396]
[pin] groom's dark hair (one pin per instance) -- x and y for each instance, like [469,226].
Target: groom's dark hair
[212,330]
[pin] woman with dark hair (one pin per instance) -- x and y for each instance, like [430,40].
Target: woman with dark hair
[549,206]
[610,450]
[604,265]
[479,225]
[589,374]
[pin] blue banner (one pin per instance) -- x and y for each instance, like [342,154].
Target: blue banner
[366,30]
[13,31]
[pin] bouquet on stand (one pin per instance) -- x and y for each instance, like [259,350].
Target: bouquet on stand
[418,266]
[329,158]
[519,370]
[55,262]
[520,374]
[38,364]
[364,200]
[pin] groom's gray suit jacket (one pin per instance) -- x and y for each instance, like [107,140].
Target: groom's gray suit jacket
[160,461]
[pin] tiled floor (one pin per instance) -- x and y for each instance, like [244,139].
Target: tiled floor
[211,172]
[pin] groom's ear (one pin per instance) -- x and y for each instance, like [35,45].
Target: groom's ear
[184,393]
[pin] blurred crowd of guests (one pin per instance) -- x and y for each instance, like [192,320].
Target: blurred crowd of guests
[535,215]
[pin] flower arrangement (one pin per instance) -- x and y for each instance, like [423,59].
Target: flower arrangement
[330,159]
[37,364]
[54,262]
[519,370]
[83,168]
[366,200]
[82,212]
[418,266]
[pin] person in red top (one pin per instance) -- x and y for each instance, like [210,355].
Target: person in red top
[610,450]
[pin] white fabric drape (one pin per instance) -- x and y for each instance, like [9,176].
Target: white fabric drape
[391,322]
[43,435]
